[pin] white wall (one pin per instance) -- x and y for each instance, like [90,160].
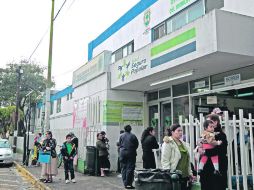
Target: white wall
[135,29]
[244,7]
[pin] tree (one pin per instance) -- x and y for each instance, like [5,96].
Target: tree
[31,79]
[7,115]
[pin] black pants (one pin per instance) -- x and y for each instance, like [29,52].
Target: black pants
[119,170]
[68,166]
[128,167]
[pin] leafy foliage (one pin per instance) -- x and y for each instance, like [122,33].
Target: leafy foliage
[32,79]
[7,116]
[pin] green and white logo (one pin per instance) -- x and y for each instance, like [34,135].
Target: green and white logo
[147,17]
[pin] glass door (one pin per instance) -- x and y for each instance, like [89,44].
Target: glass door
[166,118]
[154,118]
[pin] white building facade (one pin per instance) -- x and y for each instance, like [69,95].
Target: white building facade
[161,60]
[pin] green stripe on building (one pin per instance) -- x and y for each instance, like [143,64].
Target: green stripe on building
[174,42]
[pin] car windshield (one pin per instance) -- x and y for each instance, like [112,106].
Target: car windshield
[4,144]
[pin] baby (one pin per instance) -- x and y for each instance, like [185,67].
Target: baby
[208,142]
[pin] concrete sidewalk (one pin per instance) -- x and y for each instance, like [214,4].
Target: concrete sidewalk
[111,182]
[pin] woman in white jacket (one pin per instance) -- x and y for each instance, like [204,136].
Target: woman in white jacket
[175,154]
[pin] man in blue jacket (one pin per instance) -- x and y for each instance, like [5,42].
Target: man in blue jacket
[128,152]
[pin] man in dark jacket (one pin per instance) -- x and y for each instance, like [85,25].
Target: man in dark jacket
[128,152]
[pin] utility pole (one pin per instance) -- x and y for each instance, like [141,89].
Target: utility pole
[49,82]
[17,130]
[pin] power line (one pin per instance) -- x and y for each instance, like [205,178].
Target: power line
[43,36]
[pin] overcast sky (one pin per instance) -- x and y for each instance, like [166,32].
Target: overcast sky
[23,23]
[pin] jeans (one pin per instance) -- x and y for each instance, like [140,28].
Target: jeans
[68,166]
[128,167]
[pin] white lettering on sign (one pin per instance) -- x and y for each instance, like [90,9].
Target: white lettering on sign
[199,84]
[232,79]
[203,110]
[178,5]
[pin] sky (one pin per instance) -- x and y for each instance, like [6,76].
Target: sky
[24,22]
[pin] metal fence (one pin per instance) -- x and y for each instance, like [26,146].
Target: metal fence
[86,136]
[239,131]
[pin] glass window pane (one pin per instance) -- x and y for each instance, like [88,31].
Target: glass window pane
[159,31]
[125,51]
[246,73]
[165,93]
[113,58]
[118,54]
[196,11]
[169,26]
[201,85]
[130,48]
[179,21]
[180,89]
[180,108]
[152,96]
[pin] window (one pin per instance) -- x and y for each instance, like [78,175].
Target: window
[181,108]
[152,96]
[51,108]
[39,112]
[122,52]
[159,31]
[177,21]
[196,11]
[169,26]
[165,93]
[58,106]
[180,89]
[200,85]
[68,97]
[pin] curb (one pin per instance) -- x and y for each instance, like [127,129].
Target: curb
[31,177]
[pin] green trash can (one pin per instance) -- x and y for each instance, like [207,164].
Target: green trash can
[157,179]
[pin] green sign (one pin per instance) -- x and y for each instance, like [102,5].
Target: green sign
[116,112]
[178,5]
[147,18]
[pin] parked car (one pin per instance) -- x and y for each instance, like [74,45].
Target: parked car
[6,153]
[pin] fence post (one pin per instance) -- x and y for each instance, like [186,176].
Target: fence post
[227,130]
[191,137]
[236,153]
[242,147]
[251,148]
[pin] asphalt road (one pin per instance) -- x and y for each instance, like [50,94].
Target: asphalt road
[11,179]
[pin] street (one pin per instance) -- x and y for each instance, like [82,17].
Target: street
[10,178]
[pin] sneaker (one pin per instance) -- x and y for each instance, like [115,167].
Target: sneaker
[73,181]
[119,175]
[129,187]
[67,181]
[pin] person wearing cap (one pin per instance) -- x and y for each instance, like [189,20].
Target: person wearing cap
[217,111]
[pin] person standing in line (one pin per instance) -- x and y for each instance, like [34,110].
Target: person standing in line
[103,153]
[175,154]
[49,170]
[208,142]
[118,159]
[68,152]
[149,143]
[128,152]
[74,140]
[208,180]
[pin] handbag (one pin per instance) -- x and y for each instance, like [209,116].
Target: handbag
[44,157]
